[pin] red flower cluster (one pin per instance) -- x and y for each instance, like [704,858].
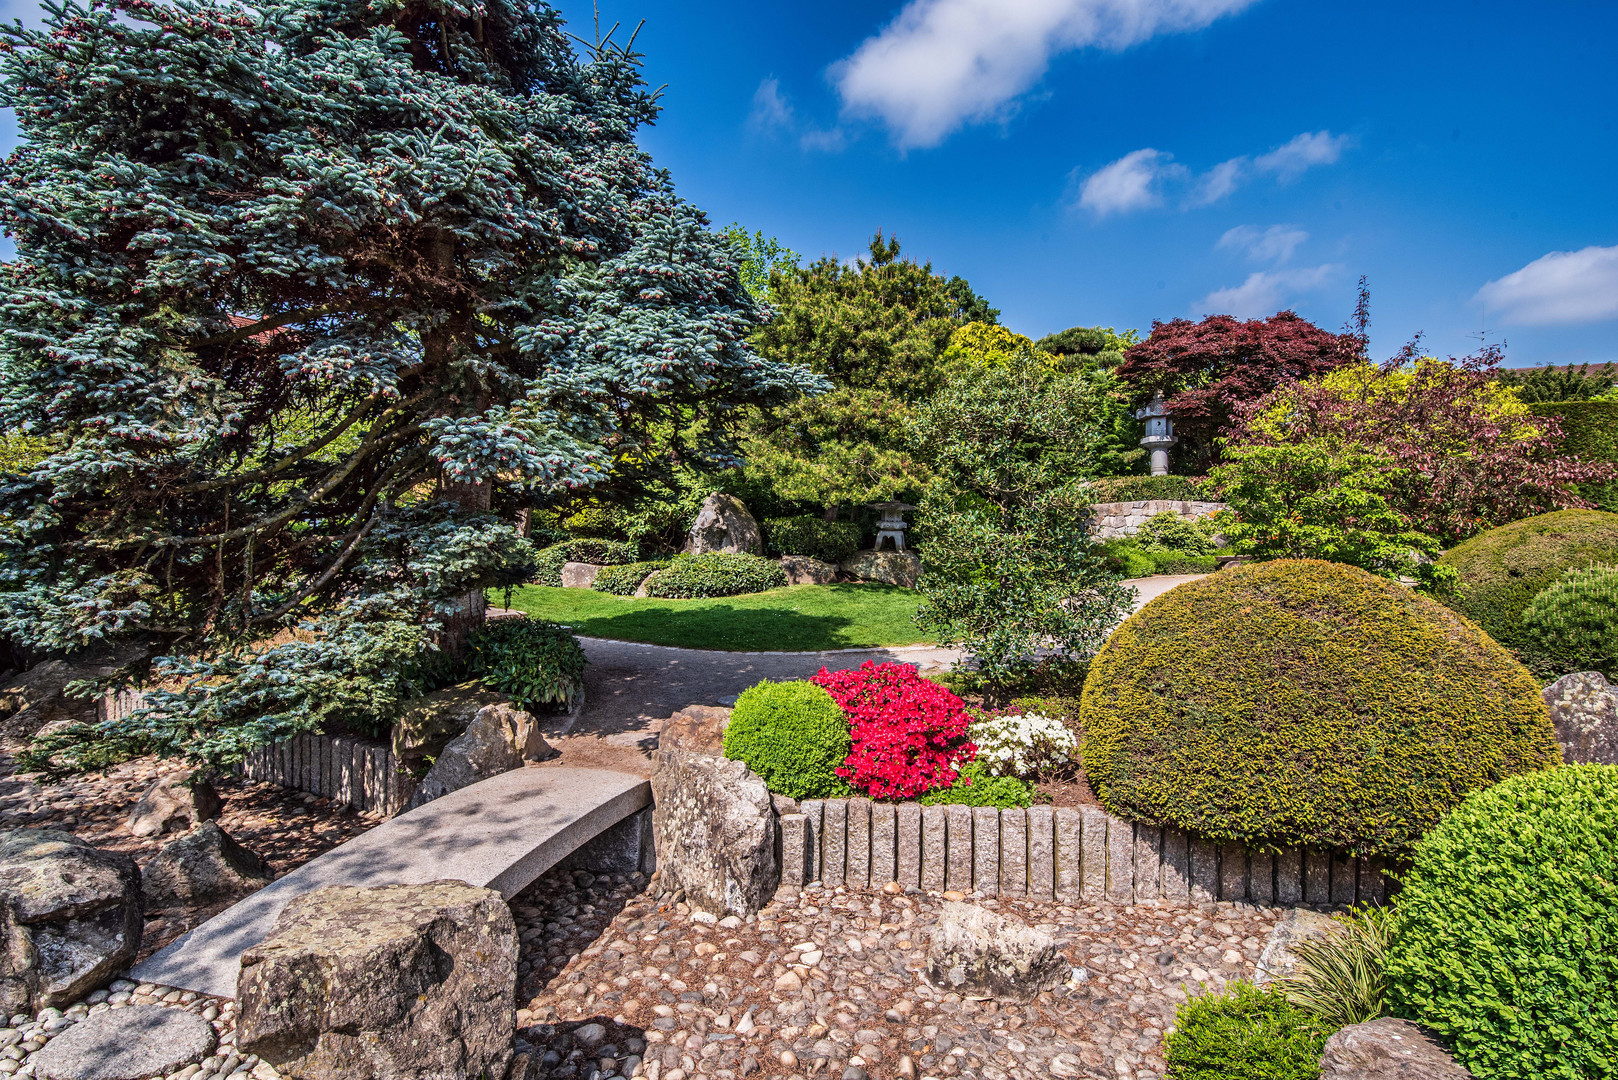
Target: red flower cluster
[909,734]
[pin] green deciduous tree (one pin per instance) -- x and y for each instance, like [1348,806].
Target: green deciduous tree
[761,256]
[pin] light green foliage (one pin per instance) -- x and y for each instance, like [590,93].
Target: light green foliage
[1172,532]
[1343,977]
[1132,559]
[1507,936]
[760,256]
[624,580]
[548,562]
[974,786]
[20,453]
[1573,625]
[1305,702]
[849,446]
[538,665]
[1246,1033]
[1320,500]
[716,574]
[793,735]
[816,537]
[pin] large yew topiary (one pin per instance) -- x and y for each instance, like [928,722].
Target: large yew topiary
[1305,702]
[1499,572]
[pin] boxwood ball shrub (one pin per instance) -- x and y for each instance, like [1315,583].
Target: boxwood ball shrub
[831,541]
[793,735]
[1247,1033]
[538,664]
[1506,942]
[716,574]
[624,580]
[1499,572]
[1305,702]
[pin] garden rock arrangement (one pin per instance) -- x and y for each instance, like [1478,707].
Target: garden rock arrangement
[1113,520]
[201,867]
[403,980]
[1387,1049]
[1584,710]
[982,953]
[716,832]
[500,738]
[724,524]
[804,570]
[696,729]
[888,567]
[427,727]
[177,802]
[72,918]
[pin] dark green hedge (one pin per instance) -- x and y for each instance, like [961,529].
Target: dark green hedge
[1507,933]
[1499,572]
[1304,702]
[1110,489]
[716,574]
[549,561]
[793,735]
[624,580]
[1590,430]
[832,541]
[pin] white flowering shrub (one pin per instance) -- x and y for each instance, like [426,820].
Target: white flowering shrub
[1022,745]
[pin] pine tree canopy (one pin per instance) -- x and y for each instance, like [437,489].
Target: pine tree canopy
[288,274]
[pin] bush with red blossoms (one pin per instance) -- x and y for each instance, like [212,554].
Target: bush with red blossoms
[909,733]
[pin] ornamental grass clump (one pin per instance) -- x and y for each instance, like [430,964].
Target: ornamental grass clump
[909,735]
[1507,936]
[1343,977]
[1305,702]
[793,735]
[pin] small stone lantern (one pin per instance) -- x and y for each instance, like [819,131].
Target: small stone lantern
[891,525]
[1159,433]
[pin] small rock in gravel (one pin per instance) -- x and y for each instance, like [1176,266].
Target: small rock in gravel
[126,1044]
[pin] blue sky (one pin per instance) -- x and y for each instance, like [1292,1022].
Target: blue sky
[1116,161]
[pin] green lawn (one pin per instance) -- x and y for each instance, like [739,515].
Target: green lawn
[800,617]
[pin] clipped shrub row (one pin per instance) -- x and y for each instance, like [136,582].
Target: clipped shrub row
[624,580]
[1110,489]
[831,541]
[549,561]
[716,574]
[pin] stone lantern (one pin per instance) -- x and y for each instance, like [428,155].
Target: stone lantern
[891,524]
[1159,433]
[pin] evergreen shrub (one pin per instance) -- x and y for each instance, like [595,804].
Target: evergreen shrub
[831,541]
[793,735]
[1506,942]
[538,664]
[624,580]
[1247,1033]
[1111,489]
[974,786]
[585,549]
[716,574]
[1499,572]
[1573,625]
[1175,533]
[1304,702]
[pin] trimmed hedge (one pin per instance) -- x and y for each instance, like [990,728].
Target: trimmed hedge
[1111,489]
[624,580]
[1247,1033]
[548,562]
[1499,572]
[1507,932]
[537,664]
[830,541]
[716,574]
[1304,702]
[1589,428]
[793,735]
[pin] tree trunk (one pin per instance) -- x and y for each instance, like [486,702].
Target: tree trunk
[467,617]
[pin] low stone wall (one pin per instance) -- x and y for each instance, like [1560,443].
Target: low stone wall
[363,774]
[1084,856]
[1112,520]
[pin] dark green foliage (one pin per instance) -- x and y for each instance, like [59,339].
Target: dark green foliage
[1560,384]
[548,563]
[1305,702]
[625,579]
[539,665]
[1190,536]
[1573,625]
[1244,1034]
[1100,346]
[1499,572]
[816,537]
[1590,431]
[1110,489]
[975,787]
[716,574]
[1132,559]
[793,735]
[1507,937]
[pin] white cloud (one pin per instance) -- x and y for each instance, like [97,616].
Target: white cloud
[830,141]
[1219,181]
[1562,288]
[1301,154]
[771,110]
[1272,245]
[942,63]
[1265,292]
[1130,183]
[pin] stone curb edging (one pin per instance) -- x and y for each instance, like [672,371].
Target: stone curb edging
[1063,853]
[365,775]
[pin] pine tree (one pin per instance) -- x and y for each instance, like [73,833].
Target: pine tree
[296,286]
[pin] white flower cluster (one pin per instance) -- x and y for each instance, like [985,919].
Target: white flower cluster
[1022,745]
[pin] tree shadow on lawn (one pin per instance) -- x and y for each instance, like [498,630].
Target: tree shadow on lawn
[726,627]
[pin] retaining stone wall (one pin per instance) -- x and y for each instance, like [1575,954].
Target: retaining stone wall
[365,775]
[1084,856]
[1112,520]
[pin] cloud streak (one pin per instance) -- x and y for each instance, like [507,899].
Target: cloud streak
[1564,288]
[944,63]
[1142,179]
[1272,245]
[1266,291]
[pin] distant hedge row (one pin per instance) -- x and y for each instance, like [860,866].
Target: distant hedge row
[1590,430]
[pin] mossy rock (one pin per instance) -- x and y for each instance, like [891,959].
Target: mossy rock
[1300,702]
[1499,572]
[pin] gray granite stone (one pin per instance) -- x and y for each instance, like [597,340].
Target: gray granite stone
[1372,885]
[1148,862]
[1387,1049]
[858,874]
[794,855]
[958,858]
[1317,876]
[907,844]
[1233,872]
[1041,853]
[986,850]
[1094,882]
[1014,852]
[934,846]
[1261,877]
[1176,879]
[1069,853]
[1204,870]
[1120,861]
[883,837]
[813,811]
[834,842]
[126,1044]
[1344,878]
[1289,877]
[1584,712]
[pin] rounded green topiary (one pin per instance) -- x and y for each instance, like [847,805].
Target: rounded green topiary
[1507,930]
[1499,572]
[793,735]
[1573,625]
[716,574]
[1304,702]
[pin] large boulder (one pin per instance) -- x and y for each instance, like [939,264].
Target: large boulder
[500,738]
[889,567]
[177,802]
[981,953]
[201,867]
[37,697]
[724,524]
[579,575]
[696,729]
[1584,711]
[70,918]
[715,832]
[1279,958]
[803,570]
[1387,1049]
[397,982]
[429,724]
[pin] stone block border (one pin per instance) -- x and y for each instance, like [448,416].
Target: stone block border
[1109,521]
[365,775]
[1044,853]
